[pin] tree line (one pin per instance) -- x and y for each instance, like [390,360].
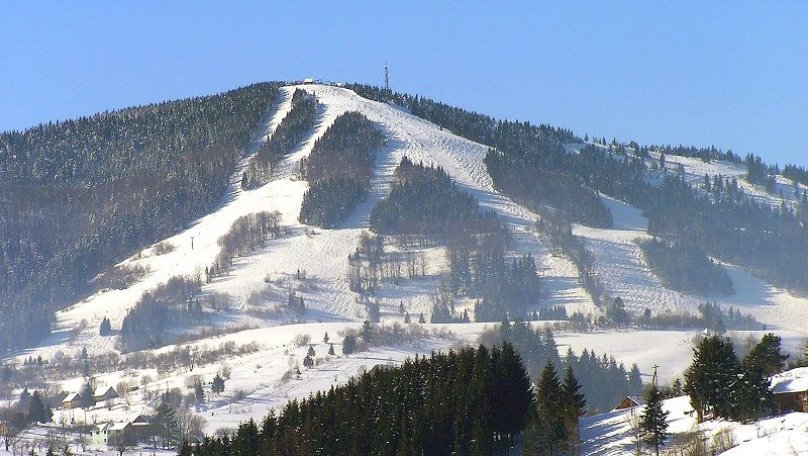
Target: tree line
[448,403]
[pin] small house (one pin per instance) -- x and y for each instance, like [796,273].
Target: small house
[102,394]
[115,432]
[142,425]
[72,400]
[790,391]
[99,434]
[630,402]
[308,81]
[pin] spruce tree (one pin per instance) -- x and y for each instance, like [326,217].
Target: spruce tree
[549,411]
[767,356]
[573,407]
[653,421]
[348,344]
[218,384]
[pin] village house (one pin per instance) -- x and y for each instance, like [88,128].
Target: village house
[102,394]
[630,402]
[72,400]
[790,391]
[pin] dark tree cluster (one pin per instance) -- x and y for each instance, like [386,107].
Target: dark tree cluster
[722,386]
[424,201]
[796,174]
[247,234]
[449,403]
[683,266]
[553,427]
[706,154]
[604,381]
[80,195]
[507,288]
[288,135]
[710,316]
[758,173]
[339,169]
[425,206]
[105,328]
[171,305]
[558,312]
[533,185]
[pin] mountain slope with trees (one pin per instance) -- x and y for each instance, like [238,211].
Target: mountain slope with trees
[79,195]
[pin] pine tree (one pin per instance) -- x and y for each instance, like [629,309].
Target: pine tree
[38,412]
[331,350]
[711,377]
[549,411]
[574,407]
[166,424]
[308,362]
[654,420]
[311,351]
[348,344]
[87,395]
[366,332]
[218,384]
[199,393]
[767,356]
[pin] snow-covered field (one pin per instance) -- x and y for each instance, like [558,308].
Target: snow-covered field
[261,378]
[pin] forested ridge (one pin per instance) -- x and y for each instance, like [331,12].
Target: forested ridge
[530,164]
[77,196]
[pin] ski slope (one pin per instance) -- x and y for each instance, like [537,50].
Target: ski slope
[313,262]
[321,255]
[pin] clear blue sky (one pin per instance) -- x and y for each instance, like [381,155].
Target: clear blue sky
[732,74]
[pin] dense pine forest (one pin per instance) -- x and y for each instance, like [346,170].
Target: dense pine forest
[685,268]
[449,403]
[603,380]
[287,135]
[339,169]
[79,195]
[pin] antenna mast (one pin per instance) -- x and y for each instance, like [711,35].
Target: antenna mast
[386,78]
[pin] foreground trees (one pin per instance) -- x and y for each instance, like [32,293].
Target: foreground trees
[722,386]
[468,402]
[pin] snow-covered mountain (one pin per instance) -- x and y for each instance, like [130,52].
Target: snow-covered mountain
[314,262]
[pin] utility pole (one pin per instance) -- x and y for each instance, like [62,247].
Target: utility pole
[386,77]
[654,378]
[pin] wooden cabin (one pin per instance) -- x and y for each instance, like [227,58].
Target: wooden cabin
[790,391]
[630,402]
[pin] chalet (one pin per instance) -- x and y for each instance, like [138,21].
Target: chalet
[72,400]
[142,425]
[308,81]
[790,391]
[102,394]
[630,402]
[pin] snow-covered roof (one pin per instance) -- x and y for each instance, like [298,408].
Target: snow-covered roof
[118,426]
[100,391]
[71,397]
[795,380]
